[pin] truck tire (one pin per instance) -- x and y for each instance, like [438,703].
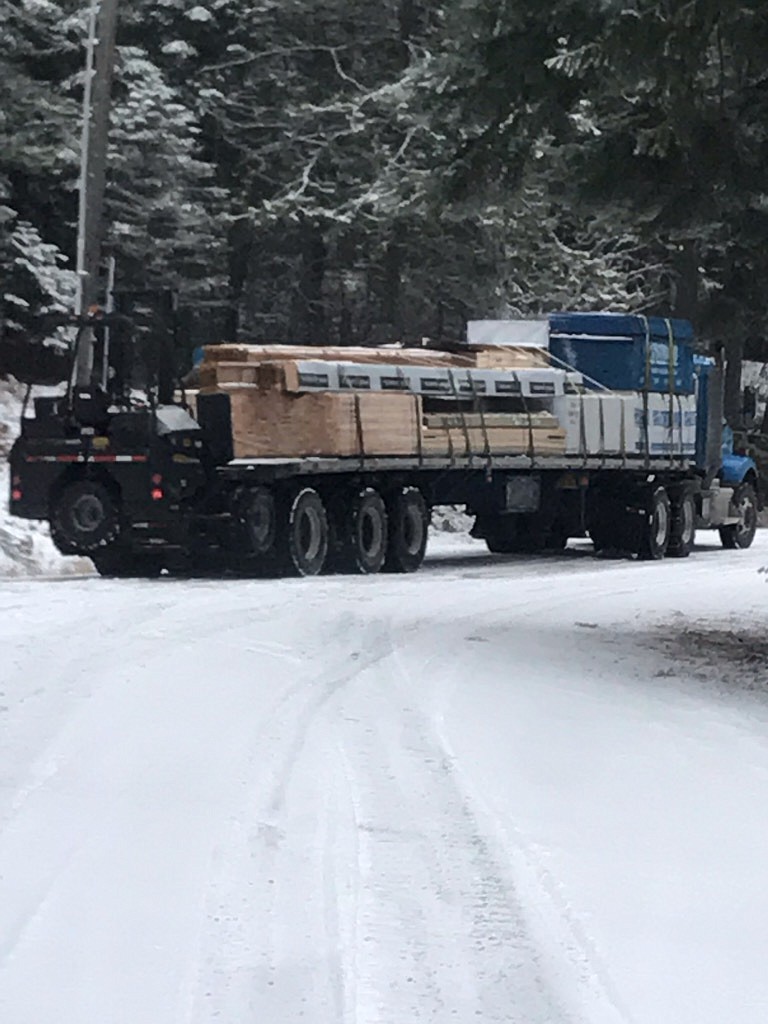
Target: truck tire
[361,534]
[256,510]
[303,535]
[84,518]
[655,526]
[408,531]
[683,533]
[741,534]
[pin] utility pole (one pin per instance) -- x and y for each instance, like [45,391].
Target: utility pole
[97,97]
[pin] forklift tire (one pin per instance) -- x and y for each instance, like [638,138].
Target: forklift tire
[408,530]
[303,535]
[741,534]
[360,531]
[84,518]
[683,535]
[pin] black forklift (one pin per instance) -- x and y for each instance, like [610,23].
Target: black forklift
[122,473]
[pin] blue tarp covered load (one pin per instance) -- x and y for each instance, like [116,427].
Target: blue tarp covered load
[625,352]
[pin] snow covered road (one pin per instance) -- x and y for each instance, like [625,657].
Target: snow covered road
[493,791]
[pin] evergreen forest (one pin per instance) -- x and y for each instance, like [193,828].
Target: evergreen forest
[360,172]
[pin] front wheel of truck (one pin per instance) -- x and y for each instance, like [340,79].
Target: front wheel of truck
[744,505]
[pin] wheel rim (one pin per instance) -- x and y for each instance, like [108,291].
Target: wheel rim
[413,530]
[88,513]
[371,533]
[660,524]
[310,534]
[260,522]
[747,517]
[687,522]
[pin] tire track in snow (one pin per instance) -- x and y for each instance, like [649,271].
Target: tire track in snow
[276,932]
[444,929]
[86,689]
[440,935]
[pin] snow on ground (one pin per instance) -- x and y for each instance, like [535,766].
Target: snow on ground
[503,789]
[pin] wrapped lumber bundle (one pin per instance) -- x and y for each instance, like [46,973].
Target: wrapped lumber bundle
[271,422]
[322,406]
[463,434]
[238,364]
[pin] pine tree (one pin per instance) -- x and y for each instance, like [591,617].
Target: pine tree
[38,166]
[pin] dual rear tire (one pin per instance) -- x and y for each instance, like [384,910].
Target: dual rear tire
[298,533]
[652,526]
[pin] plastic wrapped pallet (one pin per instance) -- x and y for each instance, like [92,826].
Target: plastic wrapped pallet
[612,423]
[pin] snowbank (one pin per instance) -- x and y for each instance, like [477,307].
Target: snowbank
[26,548]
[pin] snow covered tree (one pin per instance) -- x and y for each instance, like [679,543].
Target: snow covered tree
[37,166]
[165,213]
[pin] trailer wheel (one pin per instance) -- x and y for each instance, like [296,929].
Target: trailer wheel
[84,518]
[741,534]
[683,533]
[303,537]
[257,513]
[655,526]
[360,532]
[408,531]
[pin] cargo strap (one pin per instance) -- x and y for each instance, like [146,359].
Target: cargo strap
[478,406]
[359,429]
[419,413]
[464,427]
[527,413]
[646,389]
[671,388]
[582,430]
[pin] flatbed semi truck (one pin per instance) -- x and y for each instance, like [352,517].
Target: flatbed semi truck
[141,486]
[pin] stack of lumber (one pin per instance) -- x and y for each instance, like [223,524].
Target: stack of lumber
[239,364]
[275,423]
[496,433]
[271,418]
